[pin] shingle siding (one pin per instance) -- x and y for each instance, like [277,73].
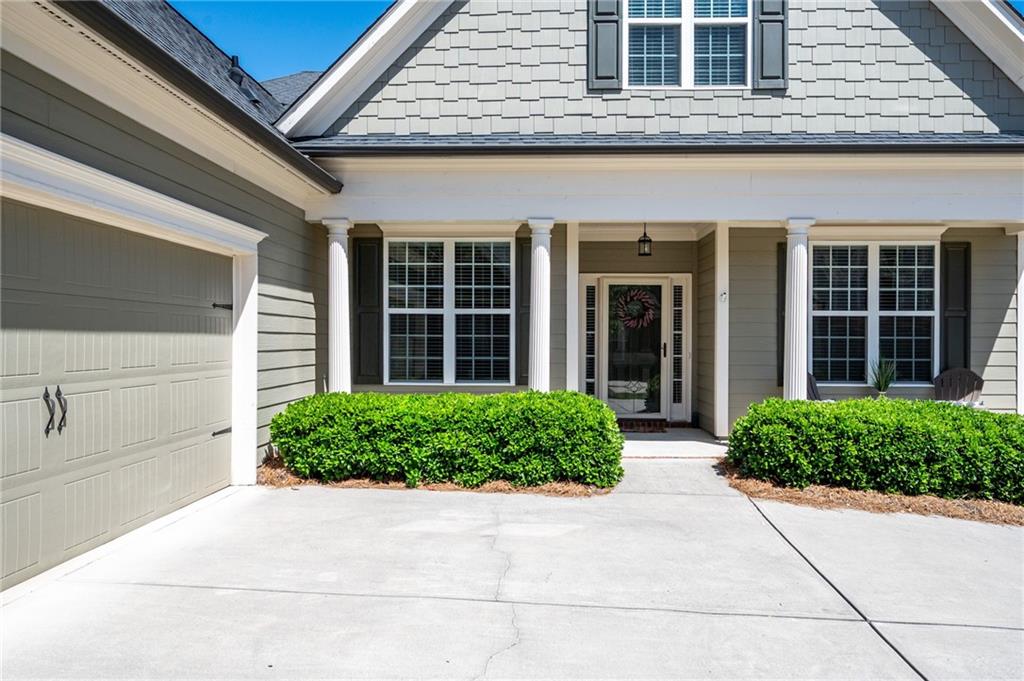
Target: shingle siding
[856,66]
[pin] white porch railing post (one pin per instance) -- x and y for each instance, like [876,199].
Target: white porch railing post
[339,353]
[794,386]
[540,304]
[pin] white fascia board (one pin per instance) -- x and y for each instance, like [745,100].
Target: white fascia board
[994,28]
[934,190]
[350,76]
[42,178]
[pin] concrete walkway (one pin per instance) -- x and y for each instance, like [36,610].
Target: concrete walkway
[674,575]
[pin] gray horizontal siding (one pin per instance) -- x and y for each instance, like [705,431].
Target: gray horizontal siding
[489,67]
[753,310]
[44,111]
[704,342]
[620,257]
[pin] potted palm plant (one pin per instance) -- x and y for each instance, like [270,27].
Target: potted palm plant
[883,375]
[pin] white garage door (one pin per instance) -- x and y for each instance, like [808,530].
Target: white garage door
[121,336]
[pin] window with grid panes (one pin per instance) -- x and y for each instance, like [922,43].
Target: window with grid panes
[466,341]
[687,43]
[872,302]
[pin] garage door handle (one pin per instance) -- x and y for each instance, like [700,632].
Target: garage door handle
[63,401]
[49,406]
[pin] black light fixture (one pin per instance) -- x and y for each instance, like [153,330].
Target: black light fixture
[643,244]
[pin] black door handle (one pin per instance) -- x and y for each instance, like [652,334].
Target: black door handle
[664,349]
[63,410]
[49,406]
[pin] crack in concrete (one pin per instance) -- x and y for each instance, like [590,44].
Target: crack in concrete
[516,639]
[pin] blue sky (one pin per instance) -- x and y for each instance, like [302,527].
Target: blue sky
[277,38]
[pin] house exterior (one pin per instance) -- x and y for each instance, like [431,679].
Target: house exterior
[456,204]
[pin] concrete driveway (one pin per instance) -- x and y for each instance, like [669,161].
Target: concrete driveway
[674,575]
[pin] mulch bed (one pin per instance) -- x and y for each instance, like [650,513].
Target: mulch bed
[820,496]
[273,473]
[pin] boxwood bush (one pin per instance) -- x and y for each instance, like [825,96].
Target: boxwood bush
[894,446]
[526,438]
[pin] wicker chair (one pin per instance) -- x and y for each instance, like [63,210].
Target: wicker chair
[958,385]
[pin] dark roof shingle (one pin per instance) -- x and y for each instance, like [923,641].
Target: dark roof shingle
[175,35]
[287,89]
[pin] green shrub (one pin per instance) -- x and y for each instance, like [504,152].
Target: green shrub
[526,438]
[894,446]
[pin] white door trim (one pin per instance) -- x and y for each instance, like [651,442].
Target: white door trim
[42,178]
[683,412]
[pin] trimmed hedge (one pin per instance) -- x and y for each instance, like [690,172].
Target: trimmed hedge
[895,446]
[525,438]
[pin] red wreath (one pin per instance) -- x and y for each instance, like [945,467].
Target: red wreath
[635,309]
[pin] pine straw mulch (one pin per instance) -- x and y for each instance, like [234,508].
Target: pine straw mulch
[273,473]
[821,496]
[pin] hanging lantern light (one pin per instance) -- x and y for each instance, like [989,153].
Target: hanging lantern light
[644,244]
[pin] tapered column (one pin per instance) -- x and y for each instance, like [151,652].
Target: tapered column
[339,344]
[540,304]
[794,385]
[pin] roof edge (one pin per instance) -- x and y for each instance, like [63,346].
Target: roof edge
[120,33]
[355,70]
[995,27]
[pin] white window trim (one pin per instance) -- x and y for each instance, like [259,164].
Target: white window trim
[873,312]
[686,23]
[448,311]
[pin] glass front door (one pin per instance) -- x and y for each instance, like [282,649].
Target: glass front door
[635,349]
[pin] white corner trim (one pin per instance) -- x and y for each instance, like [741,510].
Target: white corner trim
[994,29]
[721,372]
[1020,322]
[572,297]
[244,369]
[356,70]
[39,177]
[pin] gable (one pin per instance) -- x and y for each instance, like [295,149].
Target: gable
[864,66]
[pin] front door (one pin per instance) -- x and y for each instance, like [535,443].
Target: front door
[635,348]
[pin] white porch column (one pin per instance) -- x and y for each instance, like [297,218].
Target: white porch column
[794,383]
[721,370]
[339,346]
[540,304]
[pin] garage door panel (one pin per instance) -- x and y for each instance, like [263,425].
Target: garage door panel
[126,326]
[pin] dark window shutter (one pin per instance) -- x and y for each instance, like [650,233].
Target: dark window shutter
[604,44]
[522,311]
[780,310]
[367,311]
[955,342]
[770,42]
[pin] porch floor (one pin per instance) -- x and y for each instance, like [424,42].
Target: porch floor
[674,443]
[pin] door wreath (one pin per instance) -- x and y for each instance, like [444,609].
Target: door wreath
[635,309]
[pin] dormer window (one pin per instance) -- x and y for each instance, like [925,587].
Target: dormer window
[687,43]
